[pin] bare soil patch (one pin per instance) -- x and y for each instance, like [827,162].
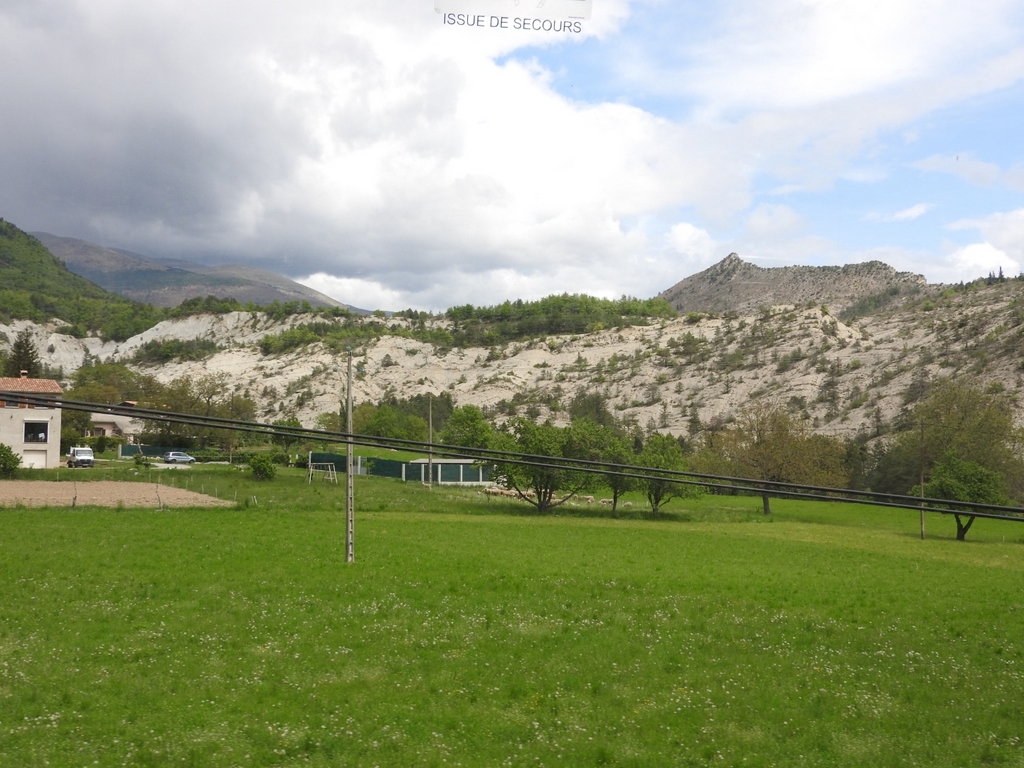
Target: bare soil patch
[101,493]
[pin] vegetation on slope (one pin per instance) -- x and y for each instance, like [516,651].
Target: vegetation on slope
[473,326]
[37,287]
[553,315]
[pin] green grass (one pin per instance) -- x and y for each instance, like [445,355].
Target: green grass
[477,634]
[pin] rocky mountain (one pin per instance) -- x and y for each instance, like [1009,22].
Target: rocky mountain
[683,375]
[168,282]
[738,286]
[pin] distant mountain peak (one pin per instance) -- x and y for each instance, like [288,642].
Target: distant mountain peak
[168,282]
[737,285]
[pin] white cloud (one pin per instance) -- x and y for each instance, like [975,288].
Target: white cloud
[907,214]
[397,162]
[976,260]
[773,222]
[692,241]
[1005,231]
[363,294]
[634,275]
[966,166]
[911,213]
[798,53]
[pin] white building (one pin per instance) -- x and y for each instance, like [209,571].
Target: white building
[32,432]
[113,425]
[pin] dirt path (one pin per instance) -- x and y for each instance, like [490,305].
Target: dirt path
[102,493]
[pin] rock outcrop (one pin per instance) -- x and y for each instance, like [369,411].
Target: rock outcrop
[739,286]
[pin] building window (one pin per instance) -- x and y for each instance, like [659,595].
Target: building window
[36,432]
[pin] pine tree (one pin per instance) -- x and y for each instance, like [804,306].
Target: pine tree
[24,357]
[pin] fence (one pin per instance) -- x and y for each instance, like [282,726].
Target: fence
[445,471]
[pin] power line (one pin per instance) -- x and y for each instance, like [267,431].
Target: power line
[778,489]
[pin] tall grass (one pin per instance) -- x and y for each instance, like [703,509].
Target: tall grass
[474,635]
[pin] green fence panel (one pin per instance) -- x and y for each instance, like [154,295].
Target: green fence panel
[337,459]
[383,467]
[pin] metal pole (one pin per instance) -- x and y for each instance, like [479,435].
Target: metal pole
[350,514]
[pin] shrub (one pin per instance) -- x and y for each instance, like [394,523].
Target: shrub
[9,460]
[262,465]
[210,454]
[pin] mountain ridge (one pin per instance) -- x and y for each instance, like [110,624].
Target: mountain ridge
[735,285]
[168,282]
[683,375]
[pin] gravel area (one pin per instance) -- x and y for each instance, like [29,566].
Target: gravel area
[101,493]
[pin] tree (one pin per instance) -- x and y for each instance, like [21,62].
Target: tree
[663,452]
[241,407]
[425,406]
[113,383]
[767,443]
[959,480]
[24,357]
[523,436]
[955,418]
[388,421]
[285,441]
[599,442]
[362,415]
[9,460]
[200,396]
[618,450]
[593,406]
[468,427]
[329,422]
[73,426]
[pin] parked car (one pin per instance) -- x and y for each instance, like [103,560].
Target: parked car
[80,457]
[177,457]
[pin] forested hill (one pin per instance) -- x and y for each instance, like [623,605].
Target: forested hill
[576,313]
[34,285]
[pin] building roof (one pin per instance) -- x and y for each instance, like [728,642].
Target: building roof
[126,424]
[31,386]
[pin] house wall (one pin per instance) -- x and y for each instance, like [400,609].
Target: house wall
[40,455]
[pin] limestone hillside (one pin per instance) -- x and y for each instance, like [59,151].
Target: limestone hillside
[736,285]
[681,375]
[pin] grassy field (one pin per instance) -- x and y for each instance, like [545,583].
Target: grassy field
[471,632]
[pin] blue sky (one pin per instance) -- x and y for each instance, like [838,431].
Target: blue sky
[391,160]
[881,197]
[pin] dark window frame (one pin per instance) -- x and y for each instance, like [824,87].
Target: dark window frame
[37,432]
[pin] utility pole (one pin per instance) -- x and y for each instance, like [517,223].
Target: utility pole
[921,485]
[350,505]
[430,440]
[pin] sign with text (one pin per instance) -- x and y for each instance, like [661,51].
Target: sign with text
[523,10]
